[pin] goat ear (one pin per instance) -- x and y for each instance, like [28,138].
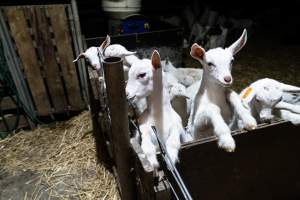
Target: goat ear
[155,60]
[248,94]
[197,52]
[289,88]
[105,43]
[81,55]
[128,53]
[239,44]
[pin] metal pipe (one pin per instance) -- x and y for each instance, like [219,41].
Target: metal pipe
[115,87]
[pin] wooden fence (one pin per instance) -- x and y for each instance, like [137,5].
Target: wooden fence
[45,43]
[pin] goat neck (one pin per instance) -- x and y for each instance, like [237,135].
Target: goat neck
[155,100]
[211,88]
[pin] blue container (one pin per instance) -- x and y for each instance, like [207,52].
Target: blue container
[135,24]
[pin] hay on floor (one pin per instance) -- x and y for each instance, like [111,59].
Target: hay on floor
[64,156]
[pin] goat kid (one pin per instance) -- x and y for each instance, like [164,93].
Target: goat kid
[145,80]
[264,98]
[95,55]
[215,104]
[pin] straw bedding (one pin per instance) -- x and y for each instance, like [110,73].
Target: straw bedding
[61,161]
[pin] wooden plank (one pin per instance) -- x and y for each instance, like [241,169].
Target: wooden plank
[144,172]
[11,120]
[24,43]
[63,43]
[94,79]
[264,166]
[7,103]
[42,35]
[103,153]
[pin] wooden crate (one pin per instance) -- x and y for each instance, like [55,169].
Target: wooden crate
[265,165]
[44,44]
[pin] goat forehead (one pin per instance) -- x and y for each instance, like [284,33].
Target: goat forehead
[140,66]
[219,56]
[92,51]
[92,55]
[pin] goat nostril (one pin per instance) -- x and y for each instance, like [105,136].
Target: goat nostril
[227,79]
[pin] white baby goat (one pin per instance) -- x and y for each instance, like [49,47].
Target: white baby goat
[214,104]
[94,54]
[146,80]
[264,98]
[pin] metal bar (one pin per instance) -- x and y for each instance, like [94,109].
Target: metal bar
[15,70]
[171,168]
[132,34]
[115,87]
[78,44]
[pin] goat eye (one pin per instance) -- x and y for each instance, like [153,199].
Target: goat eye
[87,61]
[210,64]
[142,75]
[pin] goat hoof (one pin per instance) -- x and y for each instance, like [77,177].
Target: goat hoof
[153,161]
[227,143]
[250,127]
[250,124]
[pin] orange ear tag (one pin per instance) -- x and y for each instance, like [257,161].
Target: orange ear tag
[248,91]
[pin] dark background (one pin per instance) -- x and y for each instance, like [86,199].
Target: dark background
[281,18]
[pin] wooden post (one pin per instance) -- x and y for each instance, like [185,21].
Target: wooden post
[98,130]
[115,87]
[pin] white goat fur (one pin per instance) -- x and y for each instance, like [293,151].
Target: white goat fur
[146,80]
[264,98]
[191,92]
[185,76]
[215,104]
[117,50]
[106,50]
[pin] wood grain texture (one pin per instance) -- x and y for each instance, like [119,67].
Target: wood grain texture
[104,154]
[43,39]
[65,55]
[21,35]
[265,166]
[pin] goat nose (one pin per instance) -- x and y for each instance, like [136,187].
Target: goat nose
[227,79]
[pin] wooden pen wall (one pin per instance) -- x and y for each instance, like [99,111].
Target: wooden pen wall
[42,36]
